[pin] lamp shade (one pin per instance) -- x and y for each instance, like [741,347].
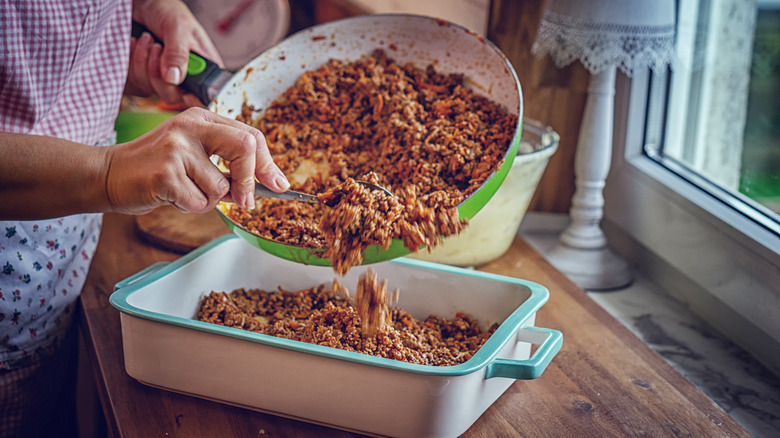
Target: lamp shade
[628,34]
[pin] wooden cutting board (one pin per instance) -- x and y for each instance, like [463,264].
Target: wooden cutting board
[180,232]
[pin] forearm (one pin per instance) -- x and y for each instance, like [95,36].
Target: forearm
[46,177]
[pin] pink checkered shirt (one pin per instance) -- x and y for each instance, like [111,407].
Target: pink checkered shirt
[63,65]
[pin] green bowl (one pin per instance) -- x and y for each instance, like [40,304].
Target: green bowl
[130,125]
[407,38]
[310,256]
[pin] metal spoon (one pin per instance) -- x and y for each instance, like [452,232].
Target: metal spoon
[263,191]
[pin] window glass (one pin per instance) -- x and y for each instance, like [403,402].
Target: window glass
[760,171]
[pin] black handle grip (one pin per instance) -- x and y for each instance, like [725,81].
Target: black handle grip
[201,71]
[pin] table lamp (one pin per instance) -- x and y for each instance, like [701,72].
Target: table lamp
[604,35]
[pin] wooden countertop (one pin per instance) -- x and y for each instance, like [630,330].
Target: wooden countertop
[604,381]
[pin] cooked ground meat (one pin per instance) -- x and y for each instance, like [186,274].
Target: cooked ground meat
[325,315]
[422,134]
[360,217]
[371,303]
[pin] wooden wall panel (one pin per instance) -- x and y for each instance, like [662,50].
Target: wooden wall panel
[553,96]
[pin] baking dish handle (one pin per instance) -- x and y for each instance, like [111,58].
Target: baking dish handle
[549,341]
[139,275]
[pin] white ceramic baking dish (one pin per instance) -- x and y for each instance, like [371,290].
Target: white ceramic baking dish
[165,347]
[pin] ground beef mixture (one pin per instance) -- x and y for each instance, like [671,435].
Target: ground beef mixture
[361,217]
[326,315]
[372,303]
[417,132]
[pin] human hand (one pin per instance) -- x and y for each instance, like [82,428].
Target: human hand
[171,165]
[159,68]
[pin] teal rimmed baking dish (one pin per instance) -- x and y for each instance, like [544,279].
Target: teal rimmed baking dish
[166,347]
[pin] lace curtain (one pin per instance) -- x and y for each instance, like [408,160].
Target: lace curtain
[628,34]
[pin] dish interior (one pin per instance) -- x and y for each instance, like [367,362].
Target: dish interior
[425,288]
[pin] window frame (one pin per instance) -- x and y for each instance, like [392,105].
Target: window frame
[722,264]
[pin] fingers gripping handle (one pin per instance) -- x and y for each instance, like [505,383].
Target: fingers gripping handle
[202,73]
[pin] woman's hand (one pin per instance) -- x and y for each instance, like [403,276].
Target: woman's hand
[159,69]
[170,165]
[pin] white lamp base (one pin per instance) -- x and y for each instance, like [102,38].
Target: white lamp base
[591,269]
[582,253]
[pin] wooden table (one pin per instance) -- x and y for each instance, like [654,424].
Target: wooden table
[604,382]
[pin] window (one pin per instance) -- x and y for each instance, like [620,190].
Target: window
[722,117]
[692,196]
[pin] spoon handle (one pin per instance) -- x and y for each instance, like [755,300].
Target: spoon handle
[261,190]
